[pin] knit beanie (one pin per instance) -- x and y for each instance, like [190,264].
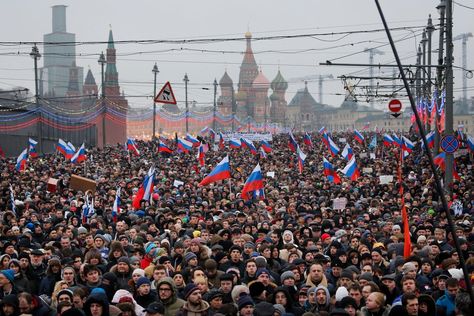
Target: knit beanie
[9,274]
[139,272]
[189,289]
[244,300]
[287,275]
[143,280]
[188,256]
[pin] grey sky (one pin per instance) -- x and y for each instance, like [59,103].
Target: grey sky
[29,20]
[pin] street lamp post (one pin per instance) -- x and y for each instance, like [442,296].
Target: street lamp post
[215,106]
[35,54]
[448,176]
[155,72]
[429,30]
[439,72]
[102,62]
[186,79]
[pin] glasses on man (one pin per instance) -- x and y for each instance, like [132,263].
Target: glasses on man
[164,289]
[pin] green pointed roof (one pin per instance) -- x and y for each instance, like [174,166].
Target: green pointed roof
[111,40]
[279,83]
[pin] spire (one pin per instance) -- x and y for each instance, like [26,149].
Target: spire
[110,44]
[249,68]
[73,87]
[90,80]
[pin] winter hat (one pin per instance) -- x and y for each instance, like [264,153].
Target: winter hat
[124,259]
[341,293]
[261,271]
[65,291]
[140,272]
[347,274]
[256,288]
[264,309]
[134,259]
[261,262]
[339,312]
[189,289]
[188,256]
[348,301]
[407,267]
[143,280]
[287,275]
[325,236]
[366,276]
[11,299]
[9,274]
[82,230]
[245,300]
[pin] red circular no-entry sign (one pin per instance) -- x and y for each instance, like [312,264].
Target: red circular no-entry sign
[395,106]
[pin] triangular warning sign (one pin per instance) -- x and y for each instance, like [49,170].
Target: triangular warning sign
[166,95]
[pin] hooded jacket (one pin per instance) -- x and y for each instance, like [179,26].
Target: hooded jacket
[173,303]
[97,298]
[445,304]
[290,306]
[189,310]
[326,306]
[425,298]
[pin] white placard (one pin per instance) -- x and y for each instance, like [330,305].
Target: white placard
[386,179]
[339,203]
[367,170]
[372,156]
[271,174]
[363,155]
[177,183]
[342,140]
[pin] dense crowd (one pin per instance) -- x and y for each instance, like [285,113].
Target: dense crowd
[192,250]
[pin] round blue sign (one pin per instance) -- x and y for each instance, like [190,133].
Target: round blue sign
[449,144]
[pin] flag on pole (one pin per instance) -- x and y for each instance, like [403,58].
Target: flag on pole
[396,141]
[184,145]
[322,130]
[307,140]
[292,144]
[347,152]
[80,155]
[266,146]
[470,143]
[201,155]
[116,207]
[131,146]
[254,183]
[407,144]
[333,148]
[373,142]
[246,143]
[71,146]
[262,152]
[387,140]
[12,200]
[32,148]
[301,159]
[351,171]
[330,173]
[65,149]
[193,140]
[221,141]
[163,148]
[220,172]
[358,136]
[145,189]
[235,143]
[21,160]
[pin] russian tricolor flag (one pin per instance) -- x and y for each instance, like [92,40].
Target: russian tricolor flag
[21,160]
[307,140]
[430,139]
[470,143]
[193,140]
[266,146]
[333,149]
[396,141]
[329,172]
[32,148]
[262,152]
[71,146]
[80,155]
[351,171]
[235,143]
[407,145]
[358,136]
[131,146]
[322,130]
[326,139]
[253,183]
[301,159]
[64,149]
[347,152]
[440,160]
[116,207]
[248,144]
[205,130]
[212,134]
[292,144]
[221,141]
[220,172]
[200,155]
[163,148]
[184,145]
[387,140]
[145,189]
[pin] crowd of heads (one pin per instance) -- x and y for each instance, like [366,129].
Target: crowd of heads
[192,250]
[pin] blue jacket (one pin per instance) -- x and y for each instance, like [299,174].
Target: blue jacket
[445,304]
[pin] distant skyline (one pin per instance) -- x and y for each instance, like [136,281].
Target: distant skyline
[297,57]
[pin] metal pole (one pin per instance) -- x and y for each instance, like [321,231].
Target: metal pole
[233,109]
[186,79]
[448,175]
[155,72]
[439,71]
[424,94]
[102,62]
[35,54]
[429,31]
[418,76]
[215,106]
[265,117]
[438,186]
[248,123]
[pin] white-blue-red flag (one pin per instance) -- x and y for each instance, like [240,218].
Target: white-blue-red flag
[220,172]
[292,144]
[32,148]
[184,145]
[80,155]
[201,155]
[266,146]
[307,140]
[347,152]
[387,140]
[12,200]
[163,148]
[235,143]
[301,159]
[21,160]
[116,207]
[131,146]
[65,149]
[145,189]
[351,171]
[329,172]
[254,183]
[193,140]
[358,136]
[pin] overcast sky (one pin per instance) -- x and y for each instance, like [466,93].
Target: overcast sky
[29,20]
